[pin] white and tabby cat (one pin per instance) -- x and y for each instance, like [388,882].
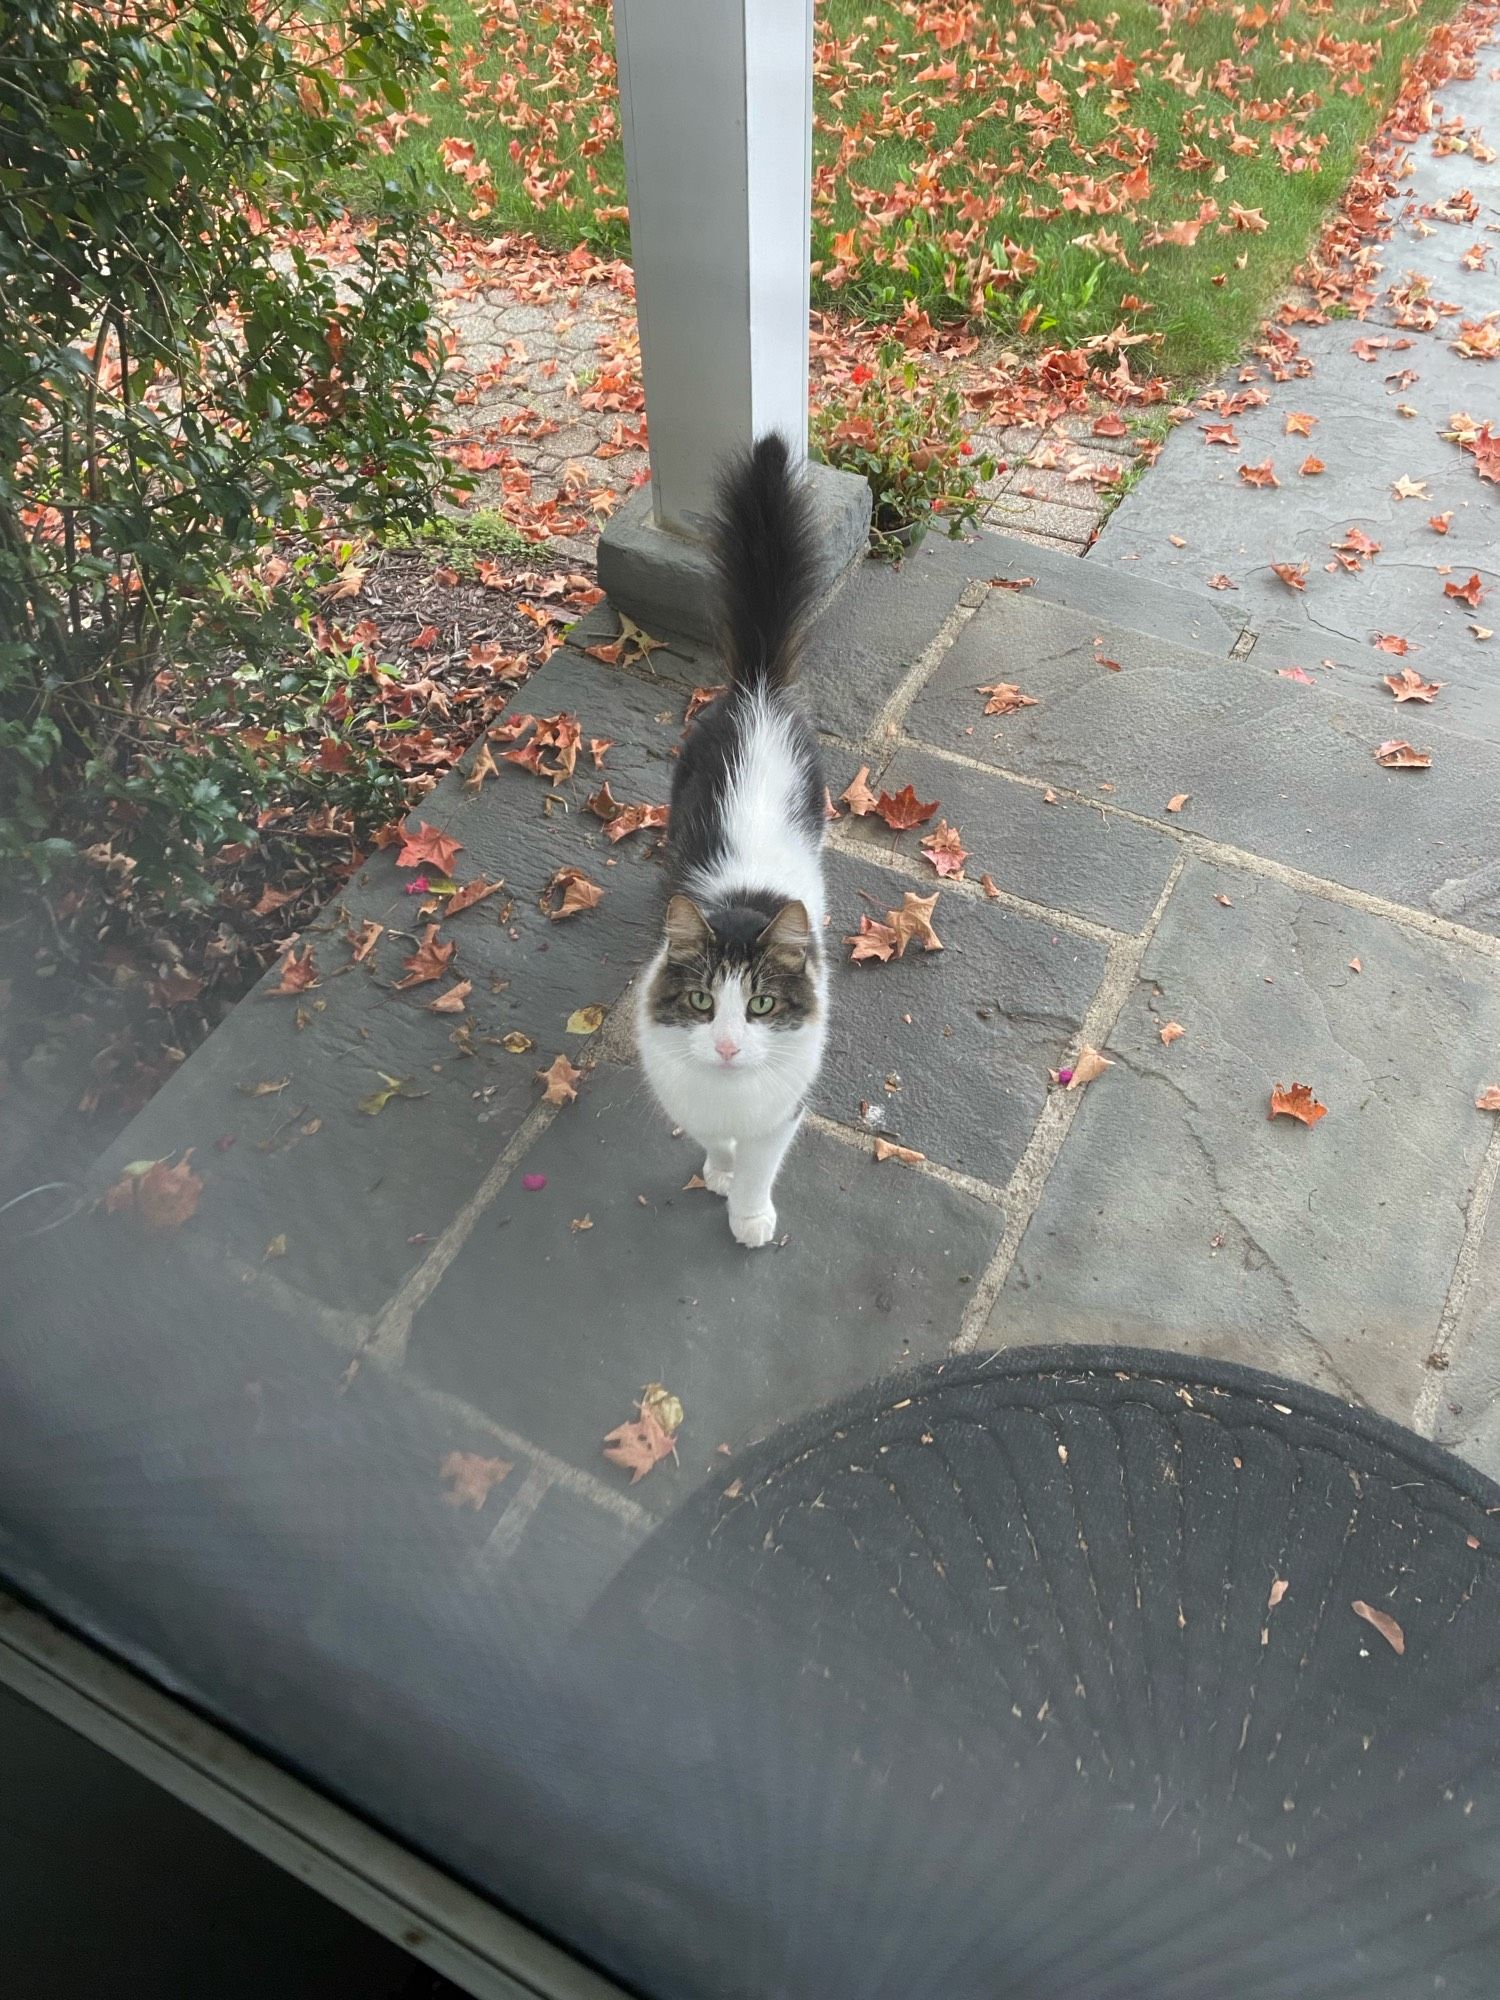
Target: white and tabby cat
[732,1012]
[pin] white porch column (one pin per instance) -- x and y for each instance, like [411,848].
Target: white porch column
[716,112]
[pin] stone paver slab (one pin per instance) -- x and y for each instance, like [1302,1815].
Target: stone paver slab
[1067,856]
[970,1031]
[553,1331]
[1269,765]
[1468,1392]
[1180,1215]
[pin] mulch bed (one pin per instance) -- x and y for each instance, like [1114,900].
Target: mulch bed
[105,990]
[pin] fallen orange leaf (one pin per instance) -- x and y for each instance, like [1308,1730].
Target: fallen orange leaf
[1299,423]
[1383,1622]
[560,1079]
[904,809]
[1259,475]
[887,1149]
[1171,1031]
[452,1002]
[1088,1065]
[859,798]
[914,920]
[362,942]
[1467,593]
[1293,575]
[944,848]
[1178,800]
[1397,755]
[1296,1101]
[297,973]
[469,1476]
[1488,1098]
[427,847]
[872,941]
[575,892]
[428,962]
[1005,697]
[1409,685]
[988,887]
[1311,466]
[1389,642]
[470,894]
[158,1196]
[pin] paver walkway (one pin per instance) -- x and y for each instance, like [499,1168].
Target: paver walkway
[1382,395]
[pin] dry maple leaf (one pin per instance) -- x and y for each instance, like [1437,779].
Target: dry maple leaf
[1220,434]
[427,847]
[887,1149]
[1259,475]
[914,920]
[574,891]
[1005,697]
[157,1195]
[1300,423]
[469,1476]
[297,973]
[1296,1100]
[597,747]
[944,848]
[1467,593]
[630,819]
[603,803]
[903,810]
[1397,755]
[429,961]
[1311,466]
[1383,1622]
[1409,685]
[1298,674]
[640,1444]
[1293,575]
[362,942]
[1439,522]
[1089,1065]
[872,941]
[482,766]
[1170,1031]
[586,1020]
[1177,801]
[560,1079]
[859,798]
[470,894]
[1356,544]
[1391,642]
[1409,489]
[700,698]
[1488,1098]
[452,1002]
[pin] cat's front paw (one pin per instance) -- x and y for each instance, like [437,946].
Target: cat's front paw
[718,1180]
[753,1230]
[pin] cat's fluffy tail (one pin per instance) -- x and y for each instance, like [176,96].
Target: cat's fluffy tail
[766,559]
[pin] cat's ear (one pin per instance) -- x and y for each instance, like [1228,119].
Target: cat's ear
[787,938]
[688,934]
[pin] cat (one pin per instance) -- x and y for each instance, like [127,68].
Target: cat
[732,1012]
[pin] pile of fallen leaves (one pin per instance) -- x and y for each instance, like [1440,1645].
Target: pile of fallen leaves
[110,986]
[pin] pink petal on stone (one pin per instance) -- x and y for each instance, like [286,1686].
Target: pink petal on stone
[533,1183]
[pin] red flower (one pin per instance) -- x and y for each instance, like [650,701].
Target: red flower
[967,449]
[862,374]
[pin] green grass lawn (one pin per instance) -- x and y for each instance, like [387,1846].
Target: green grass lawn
[978,162]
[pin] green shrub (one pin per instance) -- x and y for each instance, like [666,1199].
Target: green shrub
[904,433]
[184,375]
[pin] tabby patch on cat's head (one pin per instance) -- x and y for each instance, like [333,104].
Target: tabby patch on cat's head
[739,971]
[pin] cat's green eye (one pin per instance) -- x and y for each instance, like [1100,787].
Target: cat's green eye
[761,1003]
[700,1001]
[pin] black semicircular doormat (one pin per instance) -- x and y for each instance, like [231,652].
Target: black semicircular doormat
[1085,1674]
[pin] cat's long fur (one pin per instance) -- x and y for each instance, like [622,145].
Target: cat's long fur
[744,925]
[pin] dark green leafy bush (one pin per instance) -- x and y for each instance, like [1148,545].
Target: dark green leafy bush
[186,374]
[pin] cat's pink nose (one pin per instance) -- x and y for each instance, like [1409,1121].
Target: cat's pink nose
[726,1050]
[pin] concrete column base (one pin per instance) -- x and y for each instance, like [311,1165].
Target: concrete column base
[664,581]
